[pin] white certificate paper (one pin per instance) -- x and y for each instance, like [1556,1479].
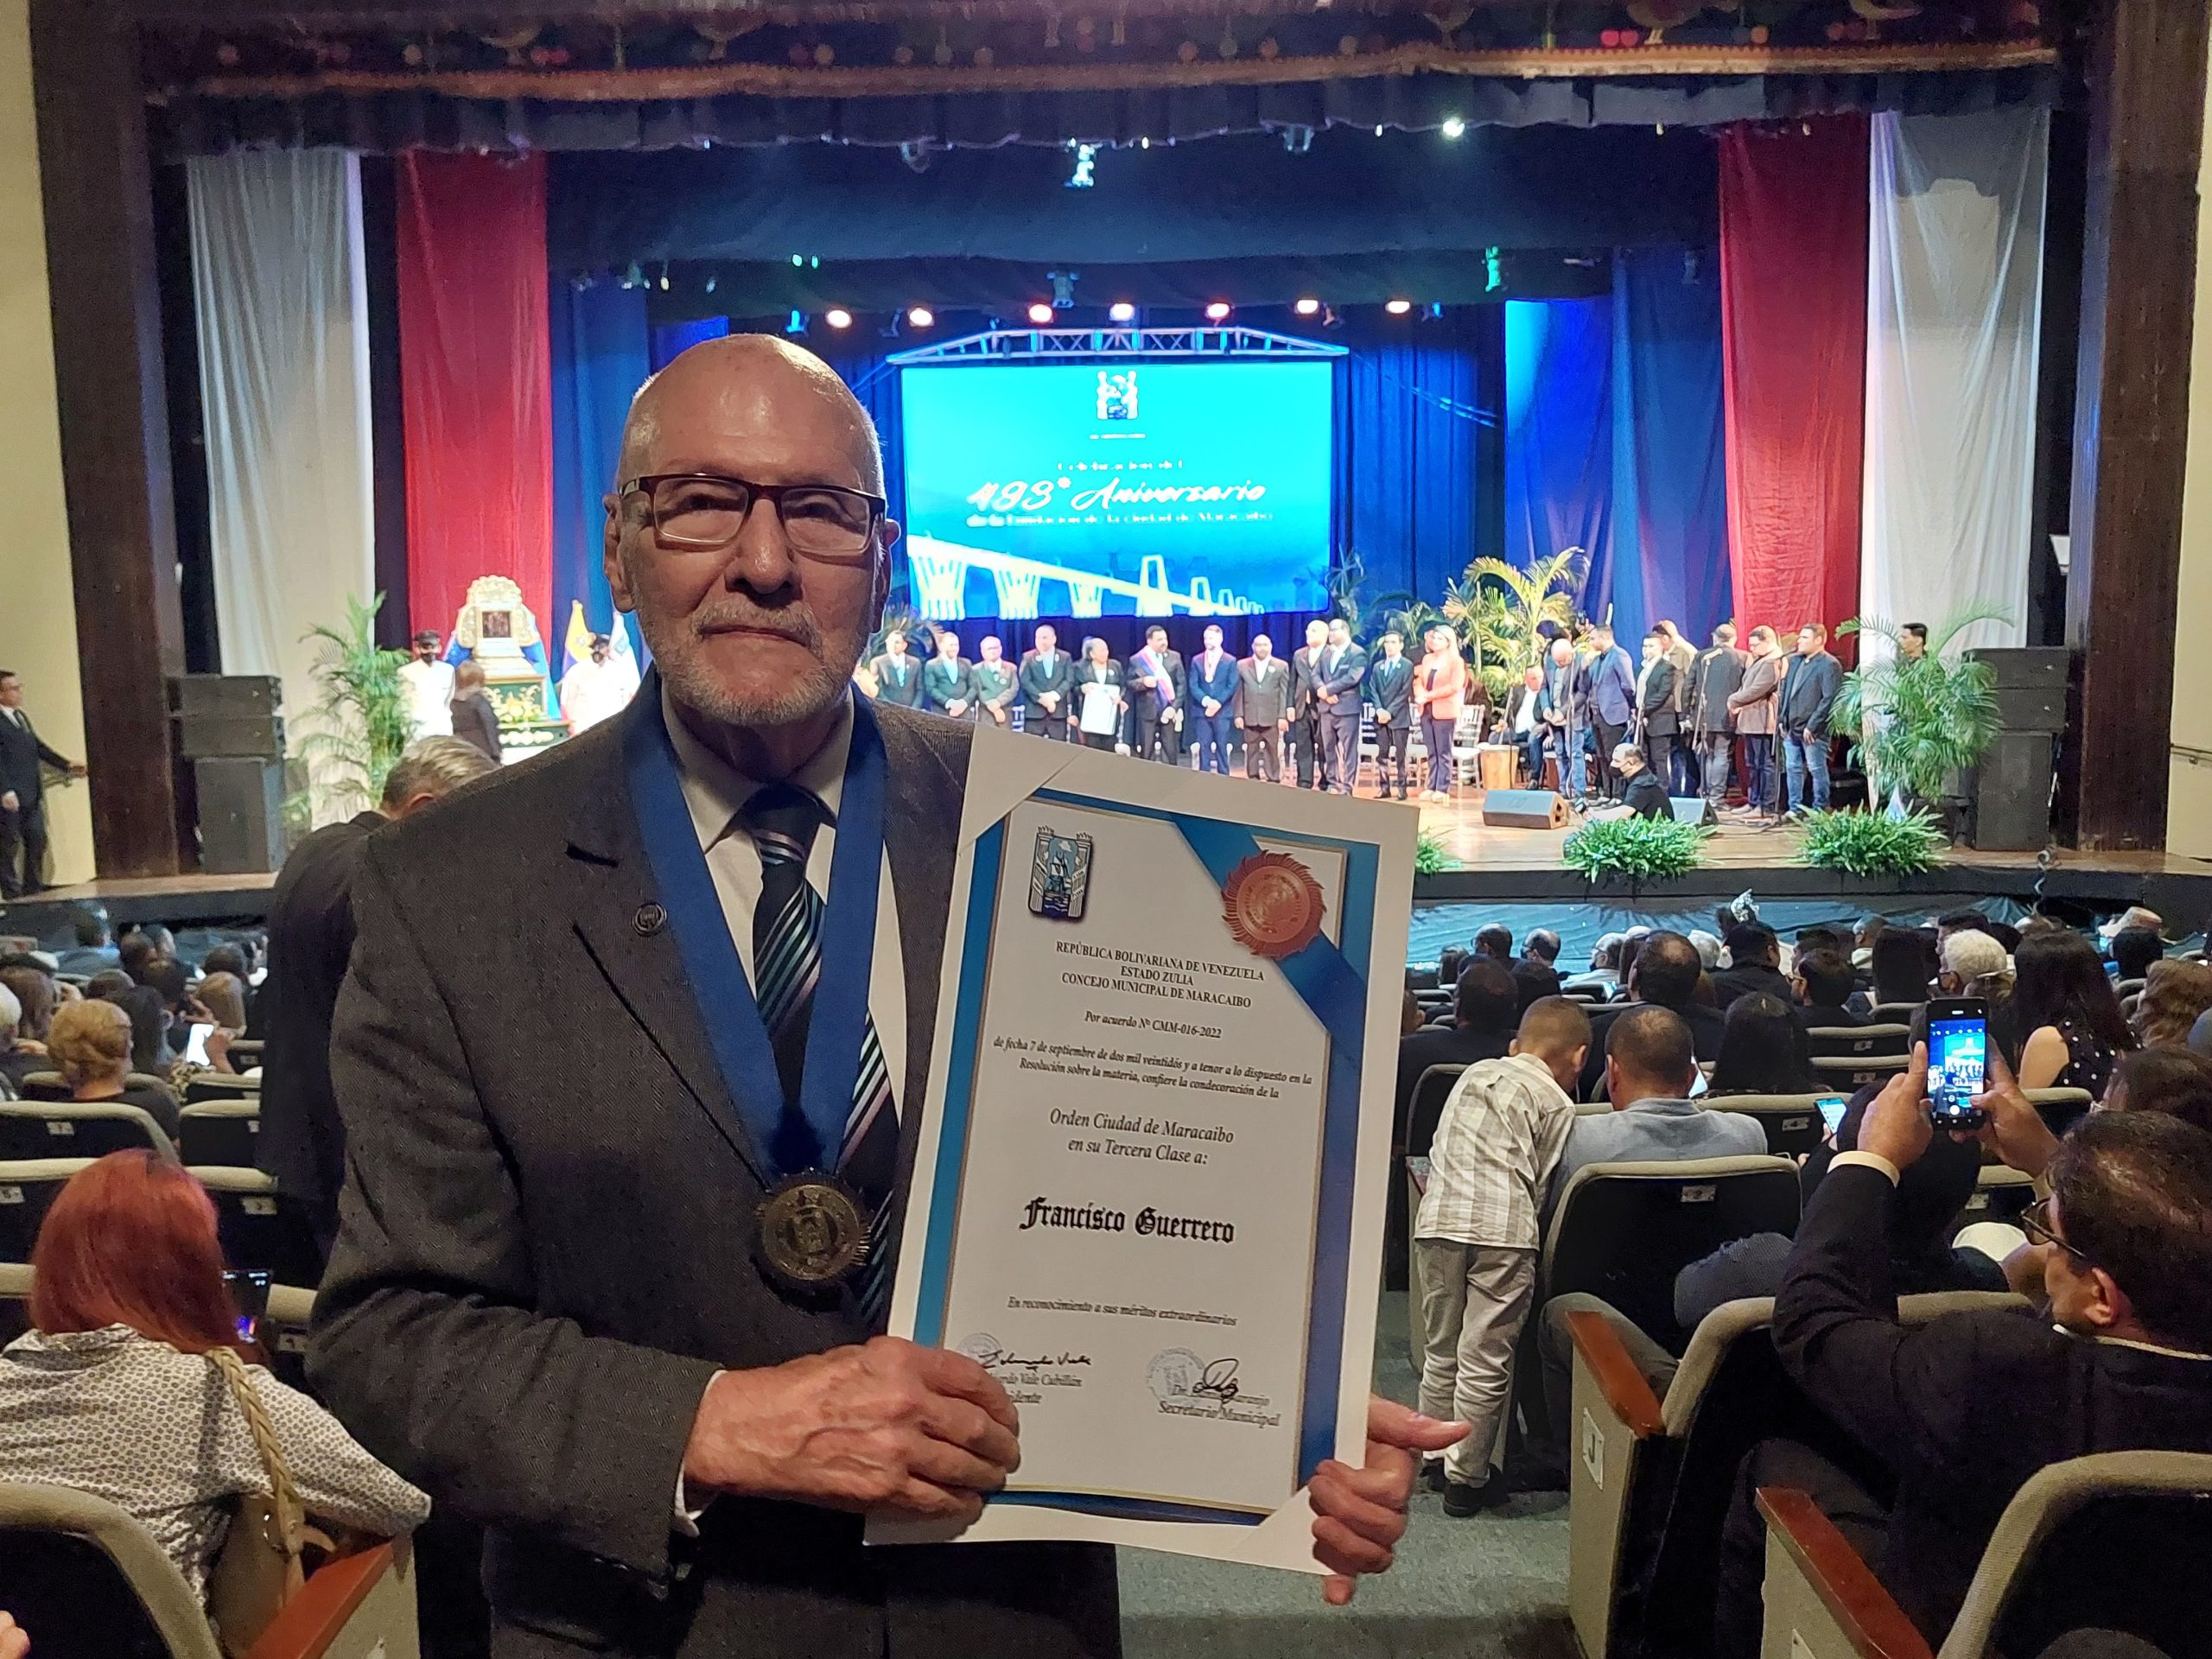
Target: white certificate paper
[1150,1186]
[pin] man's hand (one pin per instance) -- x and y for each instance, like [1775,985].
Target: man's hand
[1381,716]
[2010,1126]
[1896,1126]
[77,769]
[1360,1514]
[14,1644]
[886,1429]
[8,802]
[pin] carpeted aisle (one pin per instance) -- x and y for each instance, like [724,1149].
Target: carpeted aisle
[1492,1587]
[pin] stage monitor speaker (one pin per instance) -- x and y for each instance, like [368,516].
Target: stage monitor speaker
[241,814]
[1691,809]
[1524,808]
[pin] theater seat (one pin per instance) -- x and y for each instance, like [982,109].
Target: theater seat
[50,1086]
[1792,1122]
[15,1300]
[2061,1109]
[71,1129]
[2114,1541]
[260,1226]
[1648,1480]
[223,1132]
[1849,1042]
[86,1581]
[1430,1090]
[220,1085]
[1847,1074]
[28,1189]
[1900,1013]
[1623,1231]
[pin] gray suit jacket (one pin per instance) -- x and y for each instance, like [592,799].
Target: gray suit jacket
[1263,701]
[546,1233]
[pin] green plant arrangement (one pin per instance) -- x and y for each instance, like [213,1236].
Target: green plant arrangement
[1642,849]
[1345,581]
[1429,855]
[1872,843]
[1499,608]
[1919,720]
[359,725]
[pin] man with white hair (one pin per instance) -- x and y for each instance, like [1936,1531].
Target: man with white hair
[1974,964]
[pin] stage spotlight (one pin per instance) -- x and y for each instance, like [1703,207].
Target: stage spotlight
[1120,311]
[1308,307]
[837,317]
[1086,159]
[1063,283]
[921,317]
[1040,313]
[711,279]
[1399,308]
[1217,312]
[664,277]
[798,323]
[1453,127]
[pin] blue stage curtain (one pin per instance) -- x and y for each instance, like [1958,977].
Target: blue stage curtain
[599,362]
[1671,520]
[1560,437]
[1414,421]
[671,339]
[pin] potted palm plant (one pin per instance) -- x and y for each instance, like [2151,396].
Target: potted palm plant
[358,724]
[1498,609]
[1920,721]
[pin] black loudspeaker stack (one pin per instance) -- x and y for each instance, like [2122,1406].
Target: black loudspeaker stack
[229,727]
[2008,794]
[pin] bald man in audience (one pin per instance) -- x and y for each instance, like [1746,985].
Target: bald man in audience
[1650,1068]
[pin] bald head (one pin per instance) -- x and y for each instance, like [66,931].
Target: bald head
[1556,1030]
[718,377]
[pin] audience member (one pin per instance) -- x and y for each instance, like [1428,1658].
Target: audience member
[1764,1050]
[1650,1067]
[2005,933]
[1494,940]
[225,959]
[36,998]
[109,986]
[223,996]
[1817,938]
[149,1025]
[1477,1234]
[1960,921]
[1870,929]
[1754,964]
[310,940]
[167,975]
[1604,966]
[95,948]
[1823,982]
[1536,974]
[2036,922]
[91,1047]
[1973,963]
[2070,1021]
[1903,963]
[1708,950]
[114,1392]
[2200,1034]
[2176,994]
[1410,1015]
[19,1056]
[1963,1409]
[474,721]
[133,952]
[2133,951]
[1485,1009]
[1665,975]
[2174,1081]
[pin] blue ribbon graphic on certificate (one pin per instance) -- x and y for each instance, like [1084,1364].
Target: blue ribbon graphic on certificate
[1149,1191]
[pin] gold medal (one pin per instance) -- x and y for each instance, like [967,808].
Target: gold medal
[813,1232]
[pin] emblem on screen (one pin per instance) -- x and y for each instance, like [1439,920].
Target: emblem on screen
[1059,878]
[1117,394]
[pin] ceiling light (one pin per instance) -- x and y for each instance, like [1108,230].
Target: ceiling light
[1308,307]
[837,317]
[1399,308]
[1122,311]
[1453,127]
[1040,313]
[1217,312]
[921,317]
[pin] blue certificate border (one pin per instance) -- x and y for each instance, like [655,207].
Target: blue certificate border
[1339,1134]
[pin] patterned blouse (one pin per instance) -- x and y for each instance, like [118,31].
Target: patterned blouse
[154,1432]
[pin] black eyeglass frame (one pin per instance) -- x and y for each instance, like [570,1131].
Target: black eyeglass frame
[647,484]
[2035,1223]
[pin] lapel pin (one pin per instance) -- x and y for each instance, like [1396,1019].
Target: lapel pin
[649,919]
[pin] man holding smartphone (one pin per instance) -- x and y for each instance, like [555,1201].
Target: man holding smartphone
[1965,1408]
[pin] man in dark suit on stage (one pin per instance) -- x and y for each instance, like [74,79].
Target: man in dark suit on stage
[1156,688]
[1610,680]
[1962,1410]
[898,674]
[23,792]
[1263,708]
[1337,676]
[1389,689]
[568,1321]
[1046,674]
[1656,685]
[1212,700]
[1306,708]
[949,680]
[1709,721]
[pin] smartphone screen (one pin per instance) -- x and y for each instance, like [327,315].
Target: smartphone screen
[1958,1046]
[249,1288]
[1832,1111]
[195,1045]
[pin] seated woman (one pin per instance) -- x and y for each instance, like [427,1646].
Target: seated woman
[2064,1006]
[1764,1050]
[90,1045]
[222,998]
[2175,996]
[109,1393]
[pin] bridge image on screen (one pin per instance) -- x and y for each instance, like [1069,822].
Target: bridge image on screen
[1143,488]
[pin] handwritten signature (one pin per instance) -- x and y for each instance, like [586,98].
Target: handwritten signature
[1218,1382]
[993,1359]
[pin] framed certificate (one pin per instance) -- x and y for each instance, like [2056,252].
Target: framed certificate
[1149,1191]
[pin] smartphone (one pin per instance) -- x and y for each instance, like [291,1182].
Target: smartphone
[1832,1111]
[1958,1047]
[195,1045]
[249,1288]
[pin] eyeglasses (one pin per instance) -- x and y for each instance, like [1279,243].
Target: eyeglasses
[703,512]
[2035,1222]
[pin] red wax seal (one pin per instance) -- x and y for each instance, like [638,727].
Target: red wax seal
[1273,904]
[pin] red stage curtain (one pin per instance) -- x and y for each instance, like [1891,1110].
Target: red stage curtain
[476,381]
[1793,267]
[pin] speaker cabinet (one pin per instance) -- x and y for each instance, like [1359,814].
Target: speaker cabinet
[241,814]
[225,695]
[259,737]
[1524,808]
[2009,793]
[1692,809]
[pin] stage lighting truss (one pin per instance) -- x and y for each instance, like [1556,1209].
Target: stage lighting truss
[1018,345]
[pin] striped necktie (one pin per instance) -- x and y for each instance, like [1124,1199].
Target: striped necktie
[782,819]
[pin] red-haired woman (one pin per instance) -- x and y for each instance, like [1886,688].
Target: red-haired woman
[109,1394]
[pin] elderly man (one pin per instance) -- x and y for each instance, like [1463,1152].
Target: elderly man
[1306,745]
[1046,675]
[578,1321]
